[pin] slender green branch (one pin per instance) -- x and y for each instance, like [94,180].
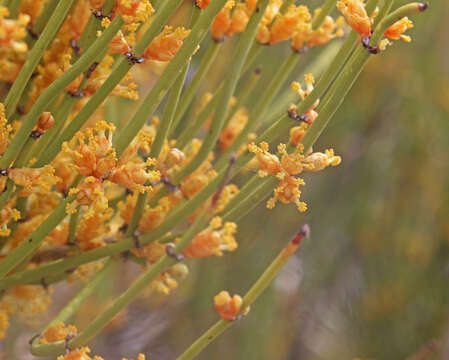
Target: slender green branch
[244,95]
[45,14]
[264,102]
[36,54]
[13,7]
[199,120]
[254,292]
[190,91]
[67,264]
[326,9]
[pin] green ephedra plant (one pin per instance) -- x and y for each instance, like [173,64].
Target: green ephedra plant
[85,191]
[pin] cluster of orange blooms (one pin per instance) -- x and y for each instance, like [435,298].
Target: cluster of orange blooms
[89,160]
[294,24]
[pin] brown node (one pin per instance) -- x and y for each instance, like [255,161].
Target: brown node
[292,114]
[134,59]
[170,251]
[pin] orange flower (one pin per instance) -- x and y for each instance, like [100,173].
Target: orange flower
[202,4]
[165,46]
[228,307]
[396,31]
[233,129]
[222,22]
[213,240]
[34,180]
[356,16]
[239,20]
[269,163]
[58,332]
[94,157]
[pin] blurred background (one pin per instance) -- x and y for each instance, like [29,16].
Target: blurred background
[373,280]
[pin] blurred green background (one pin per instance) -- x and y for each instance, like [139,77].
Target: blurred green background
[373,280]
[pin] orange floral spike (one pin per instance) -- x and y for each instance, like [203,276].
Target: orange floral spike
[286,25]
[165,46]
[222,22]
[202,4]
[319,161]
[356,16]
[31,8]
[329,30]
[134,176]
[13,48]
[229,307]
[287,192]
[396,31]
[93,154]
[79,354]
[269,163]
[92,229]
[240,19]
[291,163]
[58,332]
[233,129]
[152,218]
[214,240]
[168,281]
[5,130]
[39,180]
[297,133]
[96,4]
[119,45]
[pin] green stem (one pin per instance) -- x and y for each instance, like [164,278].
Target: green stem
[245,94]
[60,266]
[56,87]
[73,223]
[325,10]
[171,73]
[261,106]
[45,14]
[249,196]
[122,68]
[251,296]
[13,8]
[233,74]
[186,136]
[36,54]
[190,91]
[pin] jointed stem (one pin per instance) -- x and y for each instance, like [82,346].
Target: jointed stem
[264,102]
[254,292]
[190,91]
[327,7]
